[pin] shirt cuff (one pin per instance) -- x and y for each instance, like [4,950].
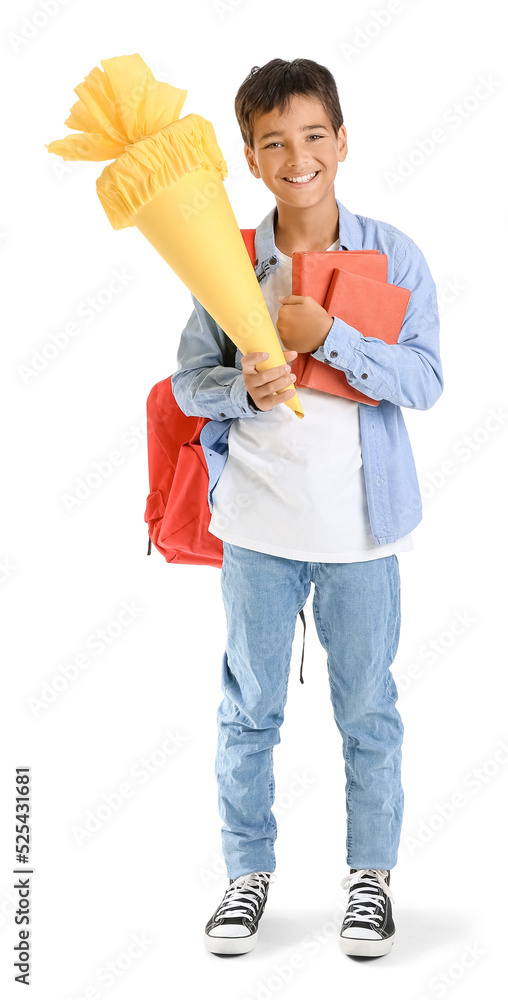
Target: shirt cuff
[339,346]
[241,400]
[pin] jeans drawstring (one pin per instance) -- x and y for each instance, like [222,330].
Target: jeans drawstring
[302,616]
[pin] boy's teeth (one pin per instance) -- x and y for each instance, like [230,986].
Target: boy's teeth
[301,180]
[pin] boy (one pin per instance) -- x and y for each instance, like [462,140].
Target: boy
[329,499]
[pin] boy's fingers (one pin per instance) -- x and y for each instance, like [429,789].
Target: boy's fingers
[249,362]
[256,356]
[253,359]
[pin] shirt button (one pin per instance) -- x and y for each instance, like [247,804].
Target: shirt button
[273,260]
[365,375]
[333,354]
[327,361]
[223,414]
[256,262]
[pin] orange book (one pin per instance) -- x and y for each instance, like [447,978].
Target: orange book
[312,273]
[357,292]
[374,308]
[313,269]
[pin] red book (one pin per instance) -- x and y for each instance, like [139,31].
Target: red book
[374,308]
[312,270]
[312,273]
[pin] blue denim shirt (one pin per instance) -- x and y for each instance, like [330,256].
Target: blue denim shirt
[209,379]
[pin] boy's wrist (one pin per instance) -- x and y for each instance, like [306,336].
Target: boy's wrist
[252,403]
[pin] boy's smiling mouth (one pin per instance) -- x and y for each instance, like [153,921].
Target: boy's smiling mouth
[301,180]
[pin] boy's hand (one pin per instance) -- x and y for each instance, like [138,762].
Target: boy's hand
[263,386]
[302,323]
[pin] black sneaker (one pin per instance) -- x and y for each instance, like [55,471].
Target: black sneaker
[233,928]
[368,927]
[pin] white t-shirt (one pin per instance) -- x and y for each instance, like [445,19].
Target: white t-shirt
[296,488]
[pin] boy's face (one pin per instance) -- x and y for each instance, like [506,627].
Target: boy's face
[306,145]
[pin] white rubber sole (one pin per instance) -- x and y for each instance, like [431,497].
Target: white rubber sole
[230,945]
[369,948]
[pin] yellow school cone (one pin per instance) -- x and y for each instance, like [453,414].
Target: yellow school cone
[167,180]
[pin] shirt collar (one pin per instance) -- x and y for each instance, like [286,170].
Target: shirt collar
[350,234]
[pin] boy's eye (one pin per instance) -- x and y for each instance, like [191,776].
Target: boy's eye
[315,136]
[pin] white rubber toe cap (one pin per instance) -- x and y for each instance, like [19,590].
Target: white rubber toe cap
[229,930]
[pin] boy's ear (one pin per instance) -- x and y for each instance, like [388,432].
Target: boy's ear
[342,149]
[251,160]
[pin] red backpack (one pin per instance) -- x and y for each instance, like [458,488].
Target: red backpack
[177,511]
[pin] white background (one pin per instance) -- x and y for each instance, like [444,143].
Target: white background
[155,868]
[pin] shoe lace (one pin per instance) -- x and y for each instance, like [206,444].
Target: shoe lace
[365,898]
[243,895]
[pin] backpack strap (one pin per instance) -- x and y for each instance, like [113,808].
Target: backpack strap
[248,236]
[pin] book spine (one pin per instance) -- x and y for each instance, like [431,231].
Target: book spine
[295,286]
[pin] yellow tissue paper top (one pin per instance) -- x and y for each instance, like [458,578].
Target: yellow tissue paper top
[126,114]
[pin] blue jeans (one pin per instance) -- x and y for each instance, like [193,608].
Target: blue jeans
[357,615]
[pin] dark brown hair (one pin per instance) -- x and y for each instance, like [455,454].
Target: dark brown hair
[272,86]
